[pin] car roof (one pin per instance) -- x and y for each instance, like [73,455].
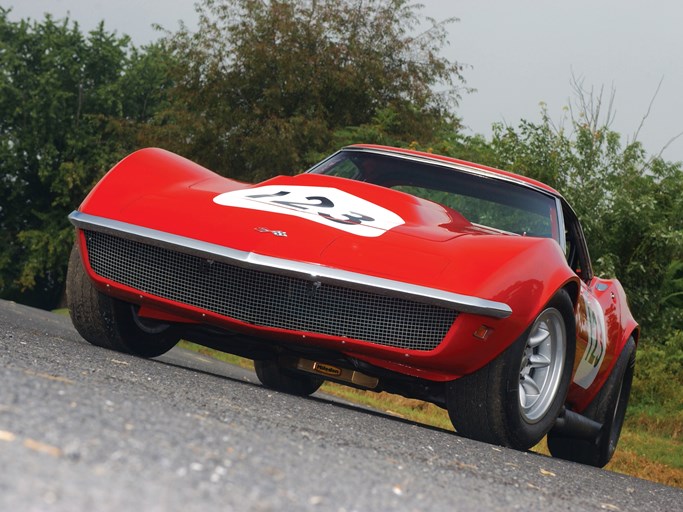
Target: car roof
[462,164]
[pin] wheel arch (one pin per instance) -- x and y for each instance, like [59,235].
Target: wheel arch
[572,288]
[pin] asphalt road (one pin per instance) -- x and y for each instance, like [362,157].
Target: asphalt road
[83,428]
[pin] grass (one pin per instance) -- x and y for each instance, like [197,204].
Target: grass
[650,446]
[649,456]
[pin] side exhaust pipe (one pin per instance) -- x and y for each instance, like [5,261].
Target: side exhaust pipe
[575,425]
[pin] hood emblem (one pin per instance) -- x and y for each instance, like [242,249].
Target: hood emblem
[312,289]
[274,232]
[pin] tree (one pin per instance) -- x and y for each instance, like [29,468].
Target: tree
[630,205]
[70,107]
[265,87]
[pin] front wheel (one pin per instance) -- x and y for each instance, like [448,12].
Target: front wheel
[110,323]
[515,399]
[274,376]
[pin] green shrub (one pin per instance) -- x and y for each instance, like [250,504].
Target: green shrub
[658,383]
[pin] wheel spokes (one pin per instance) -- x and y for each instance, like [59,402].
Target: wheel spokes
[539,361]
[528,391]
[541,364]
[539,336]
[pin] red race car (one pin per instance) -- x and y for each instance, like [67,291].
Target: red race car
[380,268]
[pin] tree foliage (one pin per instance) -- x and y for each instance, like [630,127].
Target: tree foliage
[270,86]
[70,106]
[265,87]
[630,204]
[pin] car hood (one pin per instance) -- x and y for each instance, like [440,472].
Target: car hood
[368,229]
[355,207]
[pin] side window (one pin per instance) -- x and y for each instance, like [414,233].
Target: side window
[571,252]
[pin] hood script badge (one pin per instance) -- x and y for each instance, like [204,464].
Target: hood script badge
[275,232]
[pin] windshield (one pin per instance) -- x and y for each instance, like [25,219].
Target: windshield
[485,201]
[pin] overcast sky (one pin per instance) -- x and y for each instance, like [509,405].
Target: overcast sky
[521,53]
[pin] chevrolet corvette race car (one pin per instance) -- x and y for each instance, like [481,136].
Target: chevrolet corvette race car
[379,268]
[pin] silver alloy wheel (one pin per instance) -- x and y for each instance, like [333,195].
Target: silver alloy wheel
[541,366]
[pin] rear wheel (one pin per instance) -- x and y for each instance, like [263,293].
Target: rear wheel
[514,400]
[609,409]
[274,376]
[111,323]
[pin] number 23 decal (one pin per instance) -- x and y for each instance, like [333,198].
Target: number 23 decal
[596,338]
[319,203]
[324,205]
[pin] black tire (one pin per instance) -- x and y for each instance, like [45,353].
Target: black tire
[273,376]
[493,405]
[111,323]
[609,409]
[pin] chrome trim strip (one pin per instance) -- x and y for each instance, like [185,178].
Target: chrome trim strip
[561,227]
[309,271]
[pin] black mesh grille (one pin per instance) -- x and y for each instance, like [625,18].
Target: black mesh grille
[267,299]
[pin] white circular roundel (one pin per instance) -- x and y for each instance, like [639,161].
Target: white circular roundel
[324,205]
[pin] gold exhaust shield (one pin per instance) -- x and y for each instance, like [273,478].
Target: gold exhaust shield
[334,372]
